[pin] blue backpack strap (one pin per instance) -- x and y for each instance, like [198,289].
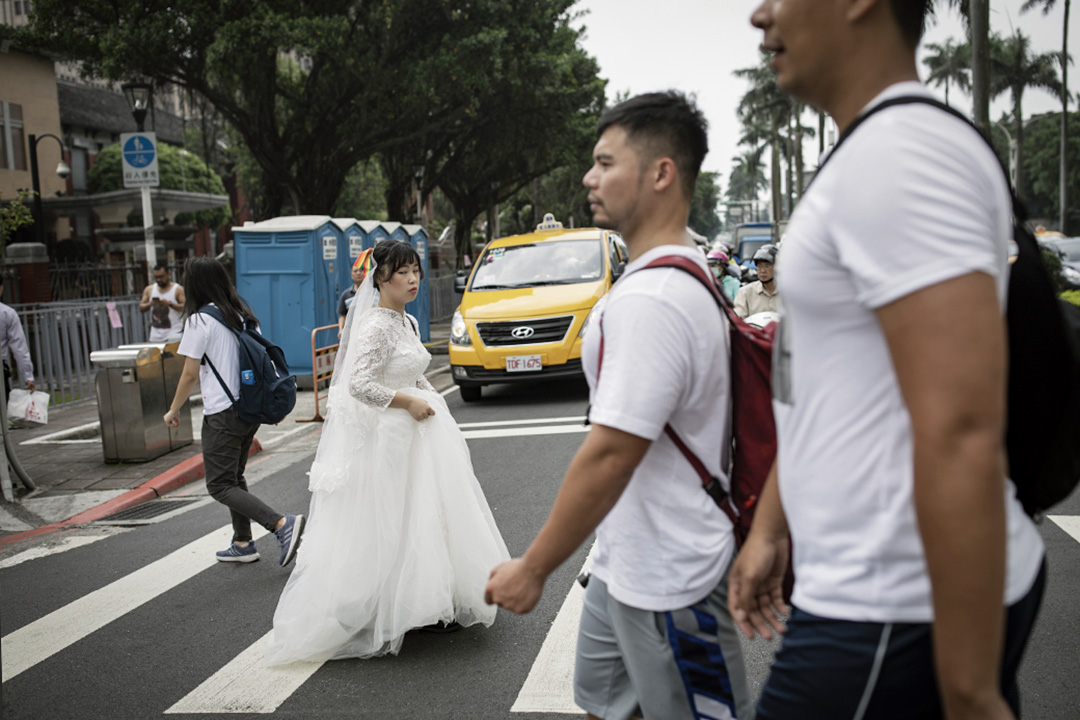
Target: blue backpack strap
[211,311]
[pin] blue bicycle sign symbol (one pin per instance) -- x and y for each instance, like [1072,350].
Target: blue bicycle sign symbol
[138,152]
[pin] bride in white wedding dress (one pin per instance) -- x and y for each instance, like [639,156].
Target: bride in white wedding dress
[399,533]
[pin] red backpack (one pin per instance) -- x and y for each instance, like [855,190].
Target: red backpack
[753,428]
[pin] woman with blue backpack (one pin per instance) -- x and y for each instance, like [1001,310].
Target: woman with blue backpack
[217,317]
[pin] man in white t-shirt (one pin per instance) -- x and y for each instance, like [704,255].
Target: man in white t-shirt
[656,638]
[917,575]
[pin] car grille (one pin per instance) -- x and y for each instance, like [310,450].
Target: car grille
[545,330]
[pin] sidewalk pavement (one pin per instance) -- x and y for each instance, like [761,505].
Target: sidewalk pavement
[75,485]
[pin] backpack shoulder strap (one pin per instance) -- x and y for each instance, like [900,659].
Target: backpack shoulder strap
[211,311]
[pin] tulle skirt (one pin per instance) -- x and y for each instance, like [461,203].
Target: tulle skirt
[399,536]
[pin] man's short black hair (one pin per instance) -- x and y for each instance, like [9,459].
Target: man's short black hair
[912,16]
[663,124]
[162,266]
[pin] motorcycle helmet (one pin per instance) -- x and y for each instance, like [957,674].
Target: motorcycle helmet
[717,257]
[766,253]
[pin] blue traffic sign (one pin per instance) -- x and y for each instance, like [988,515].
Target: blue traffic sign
[139,152]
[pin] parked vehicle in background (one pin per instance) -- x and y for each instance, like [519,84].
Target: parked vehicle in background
[1068,249]
[526,305]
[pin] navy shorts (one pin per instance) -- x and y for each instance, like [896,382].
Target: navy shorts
[834,669]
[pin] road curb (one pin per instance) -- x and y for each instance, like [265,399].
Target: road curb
[181,474]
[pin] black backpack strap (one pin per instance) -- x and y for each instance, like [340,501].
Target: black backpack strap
[211,311]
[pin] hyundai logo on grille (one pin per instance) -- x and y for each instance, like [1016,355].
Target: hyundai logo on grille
[522,332]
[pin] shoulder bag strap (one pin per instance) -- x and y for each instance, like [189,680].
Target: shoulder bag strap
[215,313]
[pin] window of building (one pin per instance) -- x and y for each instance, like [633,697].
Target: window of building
[12,145]
[18,7]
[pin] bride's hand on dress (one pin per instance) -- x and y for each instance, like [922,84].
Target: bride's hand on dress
[513,586]
[420,410]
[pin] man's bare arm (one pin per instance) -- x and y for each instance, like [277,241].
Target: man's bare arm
[951,367]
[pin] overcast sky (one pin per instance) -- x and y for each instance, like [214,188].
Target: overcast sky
[694,45]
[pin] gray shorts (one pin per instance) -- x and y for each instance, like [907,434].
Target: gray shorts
[660,665]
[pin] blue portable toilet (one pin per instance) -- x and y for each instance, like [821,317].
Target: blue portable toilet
[352,243]
[374,232]
[420,308]
[288,270]
[397,231]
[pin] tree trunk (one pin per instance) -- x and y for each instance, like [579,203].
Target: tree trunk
[396,197]
[1063,192]
[775,166]
[1018,93]
[980,63]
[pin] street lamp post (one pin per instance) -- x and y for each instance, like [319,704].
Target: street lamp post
[140,97]
[62,170]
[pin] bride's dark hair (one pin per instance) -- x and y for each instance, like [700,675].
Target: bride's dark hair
[393,254]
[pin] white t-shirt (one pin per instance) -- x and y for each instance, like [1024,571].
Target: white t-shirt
[203,335]
[912,199]
[665,545]
[165,322]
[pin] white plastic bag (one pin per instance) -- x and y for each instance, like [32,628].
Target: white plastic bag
[28,407]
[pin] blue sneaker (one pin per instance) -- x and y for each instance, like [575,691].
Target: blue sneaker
[288,536]
[237,553]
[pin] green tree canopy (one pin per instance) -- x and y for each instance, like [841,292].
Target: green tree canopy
[703,216]
[177,170]
[949,64]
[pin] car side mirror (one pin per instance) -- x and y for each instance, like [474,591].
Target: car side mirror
[460,281]
[617,271]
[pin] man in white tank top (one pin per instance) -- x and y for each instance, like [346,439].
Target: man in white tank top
[164,300]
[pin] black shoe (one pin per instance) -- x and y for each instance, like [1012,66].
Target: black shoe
[442,627]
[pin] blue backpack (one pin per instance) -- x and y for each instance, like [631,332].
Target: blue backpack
[267,390]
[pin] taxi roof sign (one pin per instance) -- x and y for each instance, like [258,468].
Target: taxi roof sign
[549,223]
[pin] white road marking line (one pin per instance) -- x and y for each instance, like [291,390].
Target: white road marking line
[58,437]
[1068,523]
[278,437]
[522,432]
[449,390]
[534,421]
[29,645]
[245,685]
[549,688]
[68,542]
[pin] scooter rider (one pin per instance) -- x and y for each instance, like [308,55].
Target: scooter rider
[762,294]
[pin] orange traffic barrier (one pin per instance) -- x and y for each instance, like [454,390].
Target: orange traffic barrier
[322,369]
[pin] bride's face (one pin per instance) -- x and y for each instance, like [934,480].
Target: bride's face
[402,286]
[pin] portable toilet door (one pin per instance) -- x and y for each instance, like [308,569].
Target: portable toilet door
[350,245]
[420,308]
[397,231]
[287,271]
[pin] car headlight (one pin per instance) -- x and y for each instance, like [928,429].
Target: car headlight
[459,332]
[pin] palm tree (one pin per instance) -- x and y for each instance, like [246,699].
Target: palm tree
[1014,69]
[1047,6]
[765,99]
[976,14]
[747,175]
[950,63]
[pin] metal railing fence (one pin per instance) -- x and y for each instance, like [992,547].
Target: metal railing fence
[444,301]
[62,335]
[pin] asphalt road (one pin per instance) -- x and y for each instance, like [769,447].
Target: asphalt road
[141,622]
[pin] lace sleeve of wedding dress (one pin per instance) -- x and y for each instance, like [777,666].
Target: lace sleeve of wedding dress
[423,384]
[372,355]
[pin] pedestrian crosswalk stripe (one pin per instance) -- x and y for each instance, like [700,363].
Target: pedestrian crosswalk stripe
[549,688]
[245,685]
[533,421]
[524,431]
[30,645]
[1068,523]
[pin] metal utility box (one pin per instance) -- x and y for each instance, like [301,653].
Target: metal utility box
[288,270]
[130,387]
[172,366]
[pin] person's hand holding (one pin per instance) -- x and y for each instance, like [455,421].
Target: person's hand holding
[420,410]
[514,586]
[30,386]
[172,418]
[756,585]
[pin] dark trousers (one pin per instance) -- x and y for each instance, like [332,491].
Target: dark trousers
[829,669]
[226,441]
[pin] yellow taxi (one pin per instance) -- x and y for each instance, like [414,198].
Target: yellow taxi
[527,302]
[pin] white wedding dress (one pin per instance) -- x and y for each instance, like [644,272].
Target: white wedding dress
[399,533]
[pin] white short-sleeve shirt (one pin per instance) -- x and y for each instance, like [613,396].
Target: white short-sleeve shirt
[665,545]
[203,335]
[913,198]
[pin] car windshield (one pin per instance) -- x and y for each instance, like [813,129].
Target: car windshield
[564,262]
[749,246]
[1070,248]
